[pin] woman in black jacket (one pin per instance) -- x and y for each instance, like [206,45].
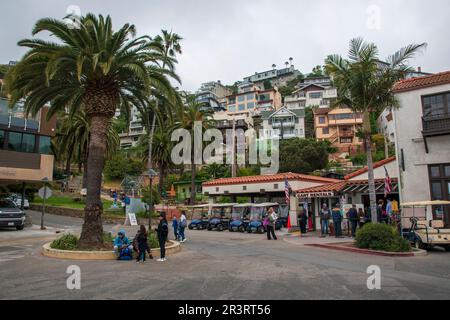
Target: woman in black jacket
[163,232]
[141,244]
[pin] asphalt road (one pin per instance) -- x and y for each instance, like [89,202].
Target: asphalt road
[215,265]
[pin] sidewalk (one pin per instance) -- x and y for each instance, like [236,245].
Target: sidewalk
[312,238]
[8,236]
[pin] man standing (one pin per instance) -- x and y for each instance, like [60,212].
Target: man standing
[302,220]
[325,215]
[272,219]
[162,232]
[353,217]
[337,220]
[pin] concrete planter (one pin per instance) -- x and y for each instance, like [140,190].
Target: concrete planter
[172,247]
[348,248]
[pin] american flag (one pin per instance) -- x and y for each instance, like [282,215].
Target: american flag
[287,187]
[387,184]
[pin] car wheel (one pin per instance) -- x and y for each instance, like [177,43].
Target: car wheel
[220,227]
[209,228]
[447,248]
[199,227]
[190,227]
[242,229]
[260,229]
[249,230]
[230,229]
[20,227]
[418,244]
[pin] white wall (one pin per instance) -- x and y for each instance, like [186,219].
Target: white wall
[408,126]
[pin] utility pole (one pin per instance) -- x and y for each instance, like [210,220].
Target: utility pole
[233,152]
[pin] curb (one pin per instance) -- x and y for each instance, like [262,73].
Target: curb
[369,252]
[47,251]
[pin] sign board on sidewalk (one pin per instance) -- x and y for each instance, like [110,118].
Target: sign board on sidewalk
[45,192]
[132,219]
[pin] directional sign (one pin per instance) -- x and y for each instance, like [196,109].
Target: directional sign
[45,192]
[132,219]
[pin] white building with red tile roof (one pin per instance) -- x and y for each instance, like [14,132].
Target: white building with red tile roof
[422,138]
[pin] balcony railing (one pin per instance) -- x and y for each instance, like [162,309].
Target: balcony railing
[436,125]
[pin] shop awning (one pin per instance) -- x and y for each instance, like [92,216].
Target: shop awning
[342,187]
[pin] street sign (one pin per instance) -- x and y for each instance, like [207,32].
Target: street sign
[45,192]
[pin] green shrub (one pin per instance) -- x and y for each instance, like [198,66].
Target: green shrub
[66,242]
[153,241]
[381,237]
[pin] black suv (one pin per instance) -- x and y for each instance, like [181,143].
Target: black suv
[10,215]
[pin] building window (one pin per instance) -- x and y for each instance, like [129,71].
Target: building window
[346,140]
[275,186]
[44,145]
[232,108]
[244,188]
[325,130]
[435,171]
[315,95]
[2,139]
[344,116]
[436,105]
[28,143]
[250,105]
[241,107]
[251,96]
[14,141]
[241,98]
[440,190]
[217,189]
[321,120]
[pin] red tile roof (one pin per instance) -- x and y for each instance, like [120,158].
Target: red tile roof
[268,178]
[338,186]
[375,165]
[422,82]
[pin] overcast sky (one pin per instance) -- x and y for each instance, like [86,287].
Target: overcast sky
[231,39]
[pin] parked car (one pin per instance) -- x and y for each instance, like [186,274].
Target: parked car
[240,217]
[17,199]
[257,214]
[11,216]
[200,218]
[220,216]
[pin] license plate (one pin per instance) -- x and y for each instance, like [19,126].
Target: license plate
[10,224]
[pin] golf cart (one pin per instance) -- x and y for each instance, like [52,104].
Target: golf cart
[199,217]
[239,217]
[257,214]
[220,216]
[428,232]
[283,214]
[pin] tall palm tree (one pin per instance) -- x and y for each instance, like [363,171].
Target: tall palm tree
[186,118]
[171,46]
[93,68]
[72,141]
[365,84]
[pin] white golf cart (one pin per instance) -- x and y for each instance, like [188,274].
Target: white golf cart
[426,232]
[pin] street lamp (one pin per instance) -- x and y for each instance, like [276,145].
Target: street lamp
[151,174]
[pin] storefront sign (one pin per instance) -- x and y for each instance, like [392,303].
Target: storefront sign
[325,194]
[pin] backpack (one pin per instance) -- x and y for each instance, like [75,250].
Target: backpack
[265,222]
[126,254]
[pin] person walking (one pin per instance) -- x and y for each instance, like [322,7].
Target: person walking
[175,227]
[337,220]
[162,231]
[141,244]
[353,217]
[272,219]
[182,227]
[325,215]
[302,220]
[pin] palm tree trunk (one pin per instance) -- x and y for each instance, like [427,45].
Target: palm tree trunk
[92,231]
[370,173]
[193,176]
[85,170]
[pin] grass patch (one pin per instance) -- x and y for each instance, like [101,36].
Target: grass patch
[71,203]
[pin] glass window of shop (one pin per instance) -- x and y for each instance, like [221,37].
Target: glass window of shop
[45,145]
